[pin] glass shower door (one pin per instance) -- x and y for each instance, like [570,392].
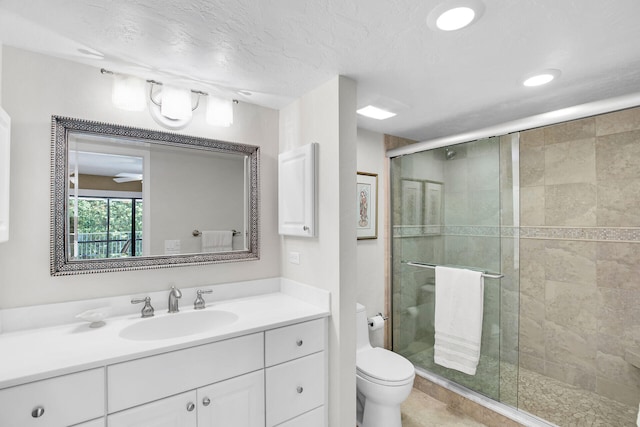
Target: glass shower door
[446,210]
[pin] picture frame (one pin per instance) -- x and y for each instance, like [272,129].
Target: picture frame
[367,203]
[412,201]
[433,209]
[422,207]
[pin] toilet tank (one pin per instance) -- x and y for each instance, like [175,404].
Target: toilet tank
[362,328]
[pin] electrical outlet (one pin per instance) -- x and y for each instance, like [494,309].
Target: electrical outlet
[294,257]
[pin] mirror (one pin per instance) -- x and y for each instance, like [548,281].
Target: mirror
[126,199]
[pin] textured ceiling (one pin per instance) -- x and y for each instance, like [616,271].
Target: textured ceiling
[441,83]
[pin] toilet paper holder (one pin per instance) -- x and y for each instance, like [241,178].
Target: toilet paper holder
[370,322]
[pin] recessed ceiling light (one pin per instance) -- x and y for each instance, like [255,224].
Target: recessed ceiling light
[456,18]
[541,78]
[375,112]
[454,15]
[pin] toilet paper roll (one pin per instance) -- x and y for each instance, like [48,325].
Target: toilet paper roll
[376,322]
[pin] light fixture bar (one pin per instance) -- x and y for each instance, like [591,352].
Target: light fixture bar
[178,106]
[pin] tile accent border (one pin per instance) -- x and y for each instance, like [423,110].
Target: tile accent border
[590,234]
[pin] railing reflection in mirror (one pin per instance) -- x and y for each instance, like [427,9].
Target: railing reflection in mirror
[107,245]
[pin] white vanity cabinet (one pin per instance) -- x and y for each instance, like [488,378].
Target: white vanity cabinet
[266,376]
[296,374]
[56,402]
[225,384]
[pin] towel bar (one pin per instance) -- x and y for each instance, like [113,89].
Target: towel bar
[433,267]
[197,233]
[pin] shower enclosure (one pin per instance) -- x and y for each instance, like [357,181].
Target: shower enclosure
[553,211]
[454,206]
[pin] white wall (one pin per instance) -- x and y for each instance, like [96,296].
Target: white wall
[34,87]
[326,115]
[371,274]
[1,72]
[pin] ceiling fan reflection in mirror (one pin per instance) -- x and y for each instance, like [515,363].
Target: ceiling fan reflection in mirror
[127,177]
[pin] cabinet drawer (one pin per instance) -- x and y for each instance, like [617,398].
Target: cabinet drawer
[313,418]
[292,342]
[151,378]
[295,387]
[65,400]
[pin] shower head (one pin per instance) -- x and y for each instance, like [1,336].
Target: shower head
[449,153]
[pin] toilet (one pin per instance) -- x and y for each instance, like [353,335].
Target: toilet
[384,380]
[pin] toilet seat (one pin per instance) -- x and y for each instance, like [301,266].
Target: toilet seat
[384,367]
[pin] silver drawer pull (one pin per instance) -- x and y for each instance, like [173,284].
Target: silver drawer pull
[206,401]
[299,390]
[305,228]
[299,343]
[37,412]
[190,406]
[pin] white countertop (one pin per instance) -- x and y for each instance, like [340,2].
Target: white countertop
[36,354]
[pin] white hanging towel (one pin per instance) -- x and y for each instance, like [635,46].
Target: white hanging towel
[458,318]
[217,240]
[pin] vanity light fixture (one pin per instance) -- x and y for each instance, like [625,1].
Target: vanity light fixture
[220,111]
[452,15]
[175,103]
[541,78]
[170,106]
[128,93]
[375,113]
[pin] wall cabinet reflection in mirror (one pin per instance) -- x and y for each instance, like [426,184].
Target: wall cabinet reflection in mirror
[125,198]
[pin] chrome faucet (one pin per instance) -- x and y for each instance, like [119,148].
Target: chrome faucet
[200,303]
[174,296]
[147,310]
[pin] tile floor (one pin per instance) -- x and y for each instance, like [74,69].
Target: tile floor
[569,406]
[552,400]
[422,410]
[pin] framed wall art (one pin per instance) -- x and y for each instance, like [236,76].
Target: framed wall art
[367,200]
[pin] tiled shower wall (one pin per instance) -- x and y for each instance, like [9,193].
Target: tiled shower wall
[580,252]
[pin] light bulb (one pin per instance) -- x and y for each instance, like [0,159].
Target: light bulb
[219,112]
[128,92]
[176,103]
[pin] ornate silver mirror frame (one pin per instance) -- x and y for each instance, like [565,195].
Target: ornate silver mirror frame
[59,262]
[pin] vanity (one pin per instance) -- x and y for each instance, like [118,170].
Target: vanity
[261,362]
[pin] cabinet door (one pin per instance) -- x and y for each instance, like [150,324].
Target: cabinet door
[238,402]
[295,387]
[175,411]
[297,191]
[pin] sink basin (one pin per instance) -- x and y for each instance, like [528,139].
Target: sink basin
[177,325]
